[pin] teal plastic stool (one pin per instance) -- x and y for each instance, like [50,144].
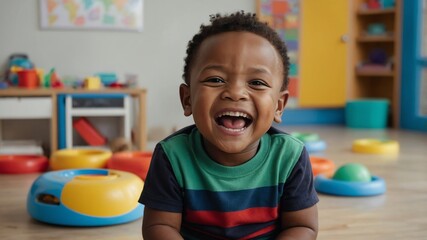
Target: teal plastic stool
[367,113]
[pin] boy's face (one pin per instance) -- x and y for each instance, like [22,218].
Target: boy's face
[235,91]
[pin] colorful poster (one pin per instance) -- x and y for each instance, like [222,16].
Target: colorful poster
[92,14]
[283,16]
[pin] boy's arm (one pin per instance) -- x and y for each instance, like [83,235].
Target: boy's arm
[161,225]
[302,224]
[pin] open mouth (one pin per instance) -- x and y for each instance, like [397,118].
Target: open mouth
[234,121]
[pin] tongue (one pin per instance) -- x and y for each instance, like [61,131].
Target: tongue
[235,123]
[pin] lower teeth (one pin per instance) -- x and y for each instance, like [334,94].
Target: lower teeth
[235,129]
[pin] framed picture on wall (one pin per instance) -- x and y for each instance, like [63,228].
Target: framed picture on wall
[125,15]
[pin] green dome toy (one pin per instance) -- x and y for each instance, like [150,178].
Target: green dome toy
[353,172]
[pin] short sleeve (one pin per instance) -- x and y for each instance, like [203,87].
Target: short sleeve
[161,189]
[299,192]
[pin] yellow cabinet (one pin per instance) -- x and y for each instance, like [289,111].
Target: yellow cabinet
[324,61]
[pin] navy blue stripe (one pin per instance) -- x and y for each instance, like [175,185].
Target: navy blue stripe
[231,233]
[233,200]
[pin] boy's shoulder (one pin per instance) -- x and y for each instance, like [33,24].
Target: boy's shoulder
[186,131]
[180,141]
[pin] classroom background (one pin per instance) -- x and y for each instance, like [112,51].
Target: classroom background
[98,81]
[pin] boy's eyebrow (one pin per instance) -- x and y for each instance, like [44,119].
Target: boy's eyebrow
[214,67]
[253,69]
[259,69]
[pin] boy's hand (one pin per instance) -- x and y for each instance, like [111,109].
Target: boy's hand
[302,224]
[161,225]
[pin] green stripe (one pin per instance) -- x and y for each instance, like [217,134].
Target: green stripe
[203,173]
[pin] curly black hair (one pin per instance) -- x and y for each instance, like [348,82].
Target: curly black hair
[241,22]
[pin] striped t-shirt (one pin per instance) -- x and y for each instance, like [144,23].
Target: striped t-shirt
[223,202]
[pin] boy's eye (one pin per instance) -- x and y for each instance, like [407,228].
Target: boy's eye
[214,80]
[258,83]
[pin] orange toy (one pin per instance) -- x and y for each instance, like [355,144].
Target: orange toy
[131,161]
[322,166]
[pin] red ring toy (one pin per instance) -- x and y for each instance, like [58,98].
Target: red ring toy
[135,162]
[17,164]
[322,166]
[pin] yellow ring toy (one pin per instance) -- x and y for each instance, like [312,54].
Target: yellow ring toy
[79,158]
[375,146]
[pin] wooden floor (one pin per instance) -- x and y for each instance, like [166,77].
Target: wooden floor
[401,213]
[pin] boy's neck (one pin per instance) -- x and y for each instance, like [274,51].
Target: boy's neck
[230,159]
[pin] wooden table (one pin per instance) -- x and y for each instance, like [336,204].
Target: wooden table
[138,93]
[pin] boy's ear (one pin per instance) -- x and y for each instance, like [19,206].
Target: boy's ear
[184,94]
[281,104]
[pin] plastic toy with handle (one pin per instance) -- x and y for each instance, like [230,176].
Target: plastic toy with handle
[85,197]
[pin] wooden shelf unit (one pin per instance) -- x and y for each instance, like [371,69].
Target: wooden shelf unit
[362,11]
[138,94]
[375,39]
[381,83]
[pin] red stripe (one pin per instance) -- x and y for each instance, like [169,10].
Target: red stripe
[259,232]
[232,219]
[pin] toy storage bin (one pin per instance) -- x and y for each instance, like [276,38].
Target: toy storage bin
[367,113]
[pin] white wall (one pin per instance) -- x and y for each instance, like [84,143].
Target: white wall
[155,55]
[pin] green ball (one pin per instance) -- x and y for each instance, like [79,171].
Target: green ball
[353,172]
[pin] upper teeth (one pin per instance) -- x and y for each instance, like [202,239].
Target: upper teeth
[234,114]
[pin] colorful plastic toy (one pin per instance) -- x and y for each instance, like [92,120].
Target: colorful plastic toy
[352,180]
[375,146]
[374,4]
[79,158]
[85,197]
[17,62]
[134,162]
[353,172]
[377,29]
[312,142]
[388,3]
[107,78]
[316,146]
[16,164]
[306,137]
[322,166]
[3,85]
[92,82]
[88,132]
[28,78]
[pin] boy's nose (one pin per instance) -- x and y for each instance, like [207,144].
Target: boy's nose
[235,92]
